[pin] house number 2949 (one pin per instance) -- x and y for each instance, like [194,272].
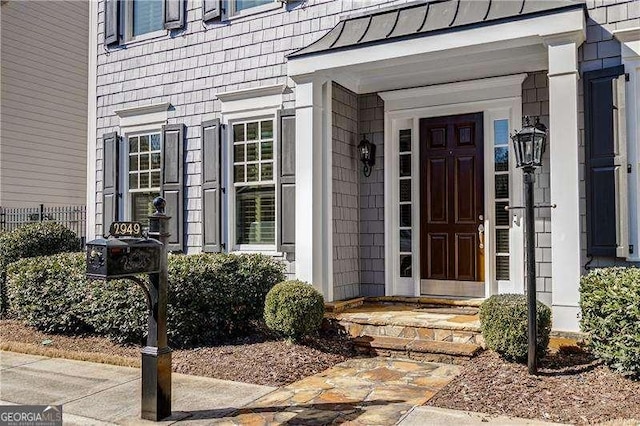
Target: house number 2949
[126,229]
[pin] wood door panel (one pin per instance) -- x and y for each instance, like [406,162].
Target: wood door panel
[465,257]
[438,249]
[437,178]
[451,196]
[465,191]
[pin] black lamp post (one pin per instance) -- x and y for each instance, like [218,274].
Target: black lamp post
[367,155]
[529,144]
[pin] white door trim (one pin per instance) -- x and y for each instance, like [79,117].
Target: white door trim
[405,108]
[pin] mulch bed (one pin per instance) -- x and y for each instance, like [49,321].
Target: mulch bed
[256,358]
[572,387]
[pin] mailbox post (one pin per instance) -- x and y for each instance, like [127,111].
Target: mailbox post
[125,254]
[156,356]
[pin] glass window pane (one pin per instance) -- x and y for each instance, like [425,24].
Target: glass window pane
[502,186]
[502,159]
[133,144]
[155,179]
[267,171]
[267,150]
[502,241]
[405,265]
[144,143]
[142,206]
[147,16]
[405,165]
[252,172]
[255,215]
[133,180]
[405,190]
[155,142]
[238,173]
[405,241]
[502,267]
[247,4]
[238,132]
[144,161]
[405,215]
[502,215]
[144,180]
[501,132]
[252,151]
[155,161]
[133,163]
[266,129]
[238,153]
[252,131]
[405,140]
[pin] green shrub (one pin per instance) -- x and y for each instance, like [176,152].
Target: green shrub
[503,320]
[37,239]
[210,296]
[294,309]
[610,303]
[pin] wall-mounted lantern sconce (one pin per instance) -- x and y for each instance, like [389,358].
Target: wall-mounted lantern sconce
[367,155]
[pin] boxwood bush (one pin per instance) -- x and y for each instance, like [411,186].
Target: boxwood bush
[36,239]
[210,296]
[294,309]
[503,321]
[610,303]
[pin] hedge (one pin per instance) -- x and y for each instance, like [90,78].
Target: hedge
[36,239]
[610,303]
[210,296]
[294,309]
[503,321]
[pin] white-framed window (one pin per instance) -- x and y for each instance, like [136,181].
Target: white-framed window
[254,184]
[139,18]
[501,198]
[405,202]
[144,174]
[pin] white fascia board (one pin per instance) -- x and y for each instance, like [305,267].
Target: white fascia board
[566,23]
[509,86]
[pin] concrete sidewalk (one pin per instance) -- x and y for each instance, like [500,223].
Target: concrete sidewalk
[100,394]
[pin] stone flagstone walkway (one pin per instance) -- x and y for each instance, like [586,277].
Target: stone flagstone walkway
[366,391]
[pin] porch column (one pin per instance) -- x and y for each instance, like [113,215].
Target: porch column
[565,180]
[314,251]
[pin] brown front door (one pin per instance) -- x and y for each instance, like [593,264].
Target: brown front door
[451,201]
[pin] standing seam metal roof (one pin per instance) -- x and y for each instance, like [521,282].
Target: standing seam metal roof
[422,19]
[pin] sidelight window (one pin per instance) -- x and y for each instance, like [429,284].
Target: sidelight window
[501,188]
[405,203]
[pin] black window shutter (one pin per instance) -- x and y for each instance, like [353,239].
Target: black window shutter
[110,178]
[172,188]
[211,9]
[211,190]
[605,167]
[286,158]
[111,21]
[173,14]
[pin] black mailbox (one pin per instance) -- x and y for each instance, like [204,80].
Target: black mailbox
[113,258]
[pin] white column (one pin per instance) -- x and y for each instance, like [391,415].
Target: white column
[314,242]
[565,180]
[91,121]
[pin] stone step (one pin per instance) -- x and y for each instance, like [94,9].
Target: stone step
[419,350]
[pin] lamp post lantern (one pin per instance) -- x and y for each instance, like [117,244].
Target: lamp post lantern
[529,144]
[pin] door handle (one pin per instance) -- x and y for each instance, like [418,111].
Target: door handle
[481,236]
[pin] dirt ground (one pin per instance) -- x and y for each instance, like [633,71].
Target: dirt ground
[257,358]
[571,387]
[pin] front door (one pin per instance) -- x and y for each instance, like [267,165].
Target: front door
[452,206]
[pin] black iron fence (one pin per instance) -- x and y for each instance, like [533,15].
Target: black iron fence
[73,217]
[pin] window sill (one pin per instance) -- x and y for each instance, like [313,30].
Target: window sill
[267,251]
[133,41]
[255,10]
